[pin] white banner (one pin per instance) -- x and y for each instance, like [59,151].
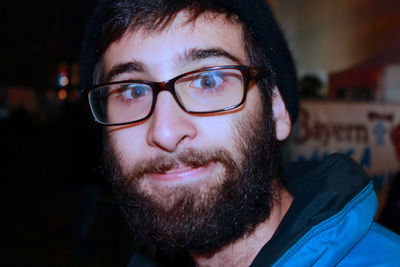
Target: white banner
[367,132]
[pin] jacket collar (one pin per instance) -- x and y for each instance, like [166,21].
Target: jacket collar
[323,192]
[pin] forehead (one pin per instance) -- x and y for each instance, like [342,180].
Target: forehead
[156,48]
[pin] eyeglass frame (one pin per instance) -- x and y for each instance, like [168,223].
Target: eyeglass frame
[248,73]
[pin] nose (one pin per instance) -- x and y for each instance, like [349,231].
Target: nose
[170,127]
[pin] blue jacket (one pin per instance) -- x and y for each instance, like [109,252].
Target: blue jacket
[330,222]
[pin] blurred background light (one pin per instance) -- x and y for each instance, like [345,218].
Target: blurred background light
[62,80]
[62,94]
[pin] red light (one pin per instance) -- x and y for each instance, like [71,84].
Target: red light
[62,94]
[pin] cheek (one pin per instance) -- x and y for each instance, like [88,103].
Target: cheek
[215,130]
[127,144]
[219,132]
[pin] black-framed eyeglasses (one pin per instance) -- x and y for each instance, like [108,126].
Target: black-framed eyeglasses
[208,90]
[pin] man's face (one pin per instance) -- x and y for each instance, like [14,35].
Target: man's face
[186,166]
[170,130]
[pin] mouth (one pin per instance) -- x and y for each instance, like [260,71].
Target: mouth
[183,173]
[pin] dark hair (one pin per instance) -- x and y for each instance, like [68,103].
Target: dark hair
[264,42]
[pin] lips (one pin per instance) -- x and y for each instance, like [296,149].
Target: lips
[182,173]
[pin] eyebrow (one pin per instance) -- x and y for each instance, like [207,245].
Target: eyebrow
[191,55]
[127,67]
[197,54]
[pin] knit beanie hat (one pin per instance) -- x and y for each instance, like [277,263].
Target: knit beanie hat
[254,14]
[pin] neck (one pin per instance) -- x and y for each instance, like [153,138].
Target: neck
[243,251]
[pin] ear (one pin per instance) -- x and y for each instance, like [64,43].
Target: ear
[281,116]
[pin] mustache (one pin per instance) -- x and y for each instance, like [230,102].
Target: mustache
[189,158]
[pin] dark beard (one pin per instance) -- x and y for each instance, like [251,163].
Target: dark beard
[203,223]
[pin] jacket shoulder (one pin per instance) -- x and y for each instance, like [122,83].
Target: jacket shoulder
[379,247]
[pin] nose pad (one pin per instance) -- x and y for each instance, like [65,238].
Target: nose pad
[170,126]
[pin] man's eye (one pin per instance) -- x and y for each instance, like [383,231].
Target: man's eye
[209,80]
[132,92]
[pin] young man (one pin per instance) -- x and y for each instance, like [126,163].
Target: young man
[195,98]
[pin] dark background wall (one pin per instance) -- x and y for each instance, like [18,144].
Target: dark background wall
[58,208]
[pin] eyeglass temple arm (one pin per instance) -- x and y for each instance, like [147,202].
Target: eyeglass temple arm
[257,73]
